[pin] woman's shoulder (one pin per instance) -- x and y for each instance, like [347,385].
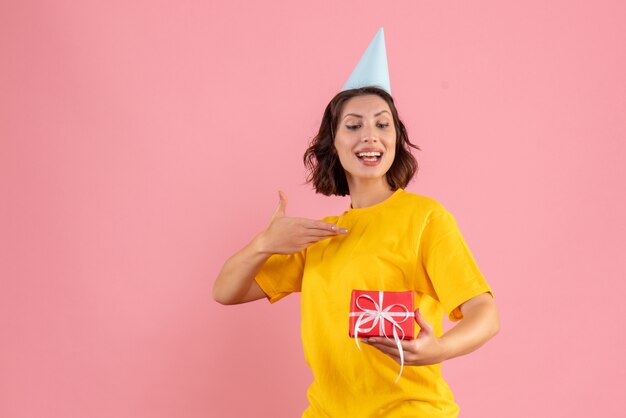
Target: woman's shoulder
[429,212]
[421,203]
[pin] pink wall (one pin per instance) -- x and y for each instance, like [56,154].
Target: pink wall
[143,142]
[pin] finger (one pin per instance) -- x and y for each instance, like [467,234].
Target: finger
[322,226]
[410,356]
[312,241]
[407,345]
[425,326]
[313,232]
[382,341]
[319,235]
[397,359]
[385,348]
[282,205]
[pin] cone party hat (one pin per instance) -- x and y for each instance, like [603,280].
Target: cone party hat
[371,69]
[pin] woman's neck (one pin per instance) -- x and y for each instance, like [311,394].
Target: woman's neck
[367,193]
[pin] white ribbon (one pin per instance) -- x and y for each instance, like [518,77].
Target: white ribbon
[378,316]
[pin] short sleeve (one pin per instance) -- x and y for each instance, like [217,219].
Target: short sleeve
[281,275]
[450,265]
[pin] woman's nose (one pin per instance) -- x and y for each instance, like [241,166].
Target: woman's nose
[368,136]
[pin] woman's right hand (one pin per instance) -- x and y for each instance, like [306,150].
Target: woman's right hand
[286,235]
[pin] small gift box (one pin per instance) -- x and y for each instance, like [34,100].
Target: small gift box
[382,314]
[376,313]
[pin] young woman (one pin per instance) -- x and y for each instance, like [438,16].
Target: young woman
[389,240]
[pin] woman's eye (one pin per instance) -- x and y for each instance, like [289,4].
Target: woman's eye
[383,125]
[353,127]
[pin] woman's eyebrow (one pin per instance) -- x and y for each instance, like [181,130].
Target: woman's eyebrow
[361,116]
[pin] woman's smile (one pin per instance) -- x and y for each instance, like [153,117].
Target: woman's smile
[370,156]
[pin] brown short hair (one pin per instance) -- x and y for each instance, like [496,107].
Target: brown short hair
[321,160]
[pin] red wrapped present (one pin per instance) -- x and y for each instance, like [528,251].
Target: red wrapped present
[376,313]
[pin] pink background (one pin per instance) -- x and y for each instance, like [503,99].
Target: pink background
[143,142]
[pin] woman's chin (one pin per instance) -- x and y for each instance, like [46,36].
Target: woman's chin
[367,177]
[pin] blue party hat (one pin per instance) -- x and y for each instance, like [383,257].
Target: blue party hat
[372,67]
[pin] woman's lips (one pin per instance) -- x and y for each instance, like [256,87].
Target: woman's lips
[369,157]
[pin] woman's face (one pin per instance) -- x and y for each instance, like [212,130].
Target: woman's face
[366,138]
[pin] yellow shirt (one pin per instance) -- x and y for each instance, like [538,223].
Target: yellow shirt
[407,242]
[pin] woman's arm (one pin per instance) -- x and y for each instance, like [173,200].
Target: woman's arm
[284,235]
[235,282]
[480,323]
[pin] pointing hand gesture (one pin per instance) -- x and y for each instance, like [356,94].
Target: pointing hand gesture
[287,235]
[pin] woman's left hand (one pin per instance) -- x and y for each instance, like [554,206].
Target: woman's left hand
[425,349]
